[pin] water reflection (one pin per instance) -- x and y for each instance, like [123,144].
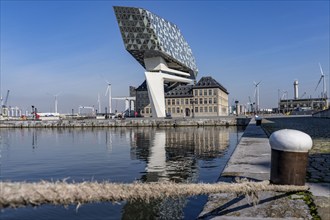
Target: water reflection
[172,154]
[117,155]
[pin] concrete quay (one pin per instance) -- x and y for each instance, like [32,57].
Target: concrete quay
[251,160]
[128,122]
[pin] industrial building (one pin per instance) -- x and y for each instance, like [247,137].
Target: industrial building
[296,105]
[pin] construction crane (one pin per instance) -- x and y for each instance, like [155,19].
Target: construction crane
[302,95]
[6,100]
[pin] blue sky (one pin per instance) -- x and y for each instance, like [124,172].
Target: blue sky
[72,47]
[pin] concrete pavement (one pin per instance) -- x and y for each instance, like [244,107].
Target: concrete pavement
[251,159]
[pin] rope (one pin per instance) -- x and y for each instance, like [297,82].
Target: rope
[17,194]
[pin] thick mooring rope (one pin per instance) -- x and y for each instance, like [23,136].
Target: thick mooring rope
[16,194]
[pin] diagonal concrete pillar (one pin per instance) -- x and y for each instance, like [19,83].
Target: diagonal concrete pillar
[155,83]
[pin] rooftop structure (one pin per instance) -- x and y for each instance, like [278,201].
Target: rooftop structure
[160,48]
[147,35]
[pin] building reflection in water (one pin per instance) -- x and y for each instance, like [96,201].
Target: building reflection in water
[172,154]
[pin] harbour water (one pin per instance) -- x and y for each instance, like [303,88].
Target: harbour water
[125,155]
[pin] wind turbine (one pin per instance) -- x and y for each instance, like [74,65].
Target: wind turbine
[108,91]
[324,93]
[256,95]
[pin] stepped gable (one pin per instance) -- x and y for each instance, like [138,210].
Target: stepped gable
[209,82]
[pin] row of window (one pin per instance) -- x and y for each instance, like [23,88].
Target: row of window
[179,110]
[197,109]
[190,101]
[205,92]
[197,101]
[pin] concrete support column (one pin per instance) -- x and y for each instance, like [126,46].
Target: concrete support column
[155,83]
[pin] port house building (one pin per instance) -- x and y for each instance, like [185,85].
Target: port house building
[206,98]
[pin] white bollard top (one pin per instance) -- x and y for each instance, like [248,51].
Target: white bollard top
[290,141]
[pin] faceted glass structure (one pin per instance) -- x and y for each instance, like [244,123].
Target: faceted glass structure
[147,35]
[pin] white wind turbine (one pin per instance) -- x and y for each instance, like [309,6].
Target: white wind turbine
[108,91]
[324,92]
[256,95]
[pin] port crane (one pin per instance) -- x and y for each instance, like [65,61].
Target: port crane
[4,105]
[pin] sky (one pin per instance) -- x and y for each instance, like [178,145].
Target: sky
[71,48]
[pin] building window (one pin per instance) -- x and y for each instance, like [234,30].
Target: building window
[210,92]
[195,92]
[186,101]
[182,101]
[205,101]
[201,109]
[196,109]
[173,101]
[210,109]
[210,100]
[205,109]
[147,111]
[205,92]
[196,101]
[168,101]
[173,109]
[201,101]
[177,110]
[169,110]
[215,109]
[178,101]
[215,100]
[200,92]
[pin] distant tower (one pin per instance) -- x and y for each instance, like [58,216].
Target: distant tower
[295,85]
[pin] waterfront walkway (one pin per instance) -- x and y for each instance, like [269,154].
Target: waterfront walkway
[251,159]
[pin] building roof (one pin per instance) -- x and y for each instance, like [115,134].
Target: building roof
[209,82]
[187,90]
[143,86]
[147,35]
[180,91]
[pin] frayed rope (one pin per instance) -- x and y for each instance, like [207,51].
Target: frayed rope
[17,194]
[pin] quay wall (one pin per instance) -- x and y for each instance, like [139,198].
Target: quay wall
[322,114]
[131,122]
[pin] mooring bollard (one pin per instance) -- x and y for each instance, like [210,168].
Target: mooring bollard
[289,157]
[258,120]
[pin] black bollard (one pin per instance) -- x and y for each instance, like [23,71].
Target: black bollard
[289,157]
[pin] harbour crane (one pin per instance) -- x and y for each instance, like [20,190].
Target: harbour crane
[6,100]
[302,95]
